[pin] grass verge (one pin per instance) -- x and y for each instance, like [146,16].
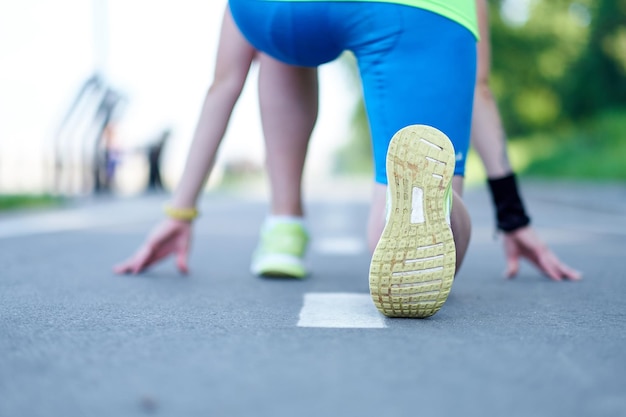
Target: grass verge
[24,201]
[594,150]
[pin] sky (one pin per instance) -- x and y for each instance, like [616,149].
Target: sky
[160,54]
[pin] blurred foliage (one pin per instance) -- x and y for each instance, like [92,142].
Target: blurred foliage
[595,149]
[559,73]
[566,62]
[20,201]
[356,156]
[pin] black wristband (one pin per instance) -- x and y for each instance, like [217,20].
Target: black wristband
[510,213]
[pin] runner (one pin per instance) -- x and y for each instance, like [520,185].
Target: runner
[285,166]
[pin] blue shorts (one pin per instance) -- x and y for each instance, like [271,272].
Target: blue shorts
[416,66]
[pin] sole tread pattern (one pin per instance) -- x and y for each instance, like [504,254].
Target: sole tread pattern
[413,265]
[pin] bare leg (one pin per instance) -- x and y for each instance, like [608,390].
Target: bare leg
[460,222]
[288,98]
[459,218]
[289,103]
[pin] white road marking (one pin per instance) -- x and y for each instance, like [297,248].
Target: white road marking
[340,310]
[344,245]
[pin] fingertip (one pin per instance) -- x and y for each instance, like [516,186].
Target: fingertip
[574,276]
[181,262]
[182,267]
[553,275]
[569,274]
[511,270]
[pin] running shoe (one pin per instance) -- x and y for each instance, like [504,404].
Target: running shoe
[281,250]
[413,265]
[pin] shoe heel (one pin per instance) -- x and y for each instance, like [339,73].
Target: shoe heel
[413,265]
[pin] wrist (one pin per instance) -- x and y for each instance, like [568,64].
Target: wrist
[186,214]
[509,208]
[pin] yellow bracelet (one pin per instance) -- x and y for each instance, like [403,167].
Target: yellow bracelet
[184,214]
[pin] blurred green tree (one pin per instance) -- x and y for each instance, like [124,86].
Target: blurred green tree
[535,45]
[597,81]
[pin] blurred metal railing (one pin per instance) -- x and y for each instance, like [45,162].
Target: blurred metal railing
[82,151]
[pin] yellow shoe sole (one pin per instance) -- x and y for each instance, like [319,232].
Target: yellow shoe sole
[413,265]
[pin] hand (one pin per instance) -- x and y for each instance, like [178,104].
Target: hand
[524,243]
[170,237]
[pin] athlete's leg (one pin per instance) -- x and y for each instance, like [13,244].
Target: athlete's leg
[422,88]
[288,98]
[460,221]
[435,88]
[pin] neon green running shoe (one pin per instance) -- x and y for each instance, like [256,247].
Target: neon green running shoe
[280,251]
[413,265]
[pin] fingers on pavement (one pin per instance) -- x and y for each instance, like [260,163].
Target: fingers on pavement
[137,263]
[512,266]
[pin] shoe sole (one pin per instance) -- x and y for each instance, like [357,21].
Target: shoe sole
[413,265]
[279,266]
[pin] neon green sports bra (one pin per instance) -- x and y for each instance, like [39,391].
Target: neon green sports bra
[461,11]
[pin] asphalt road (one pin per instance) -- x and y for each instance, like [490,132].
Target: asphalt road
[77,340]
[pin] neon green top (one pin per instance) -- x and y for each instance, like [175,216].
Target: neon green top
[461,11]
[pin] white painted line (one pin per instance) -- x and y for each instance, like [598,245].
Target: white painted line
[345,245]
[340,310]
